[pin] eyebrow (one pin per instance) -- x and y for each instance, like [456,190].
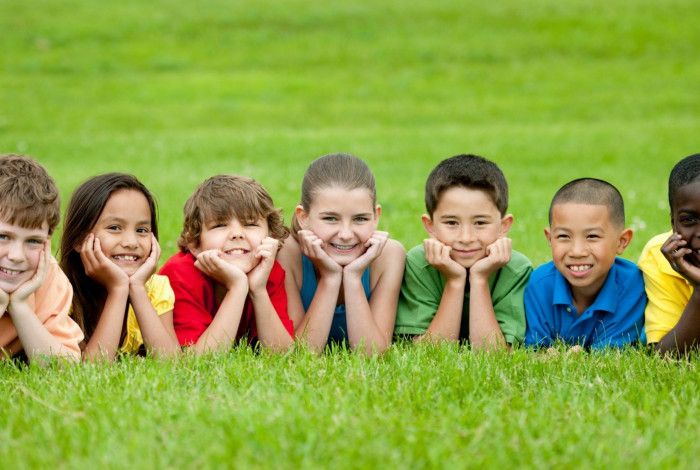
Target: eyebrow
[119,219]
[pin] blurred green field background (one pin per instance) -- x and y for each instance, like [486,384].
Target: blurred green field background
[176,91]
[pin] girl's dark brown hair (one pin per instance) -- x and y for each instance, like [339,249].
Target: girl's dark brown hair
[334,170]
[84,209]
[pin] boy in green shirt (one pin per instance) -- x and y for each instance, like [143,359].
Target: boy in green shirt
[465,282]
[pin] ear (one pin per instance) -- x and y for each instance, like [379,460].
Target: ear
[548,235]
[302,216]
[377,212]
[624,240]
[428,224]
[506,224]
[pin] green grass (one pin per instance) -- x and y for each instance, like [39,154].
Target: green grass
[176,91]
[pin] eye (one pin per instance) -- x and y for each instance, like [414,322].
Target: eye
[143,230]
[252,224]
[113,228]
[4,236]
[481,223]
[562,236]
[450,223]
[361,219]
[329,218]
[35,241]
[593,236]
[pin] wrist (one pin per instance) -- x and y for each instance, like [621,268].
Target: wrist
[118,289]
[476,278]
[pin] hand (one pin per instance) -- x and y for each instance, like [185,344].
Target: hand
[211,264]
[312,247]
[675,249]
[23,292]
[4,302]
[99,267]
[266,252]
[437,254]
[375,245]
[146,270]
[497,255]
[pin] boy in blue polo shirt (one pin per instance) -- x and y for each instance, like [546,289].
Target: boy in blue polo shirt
[587,296]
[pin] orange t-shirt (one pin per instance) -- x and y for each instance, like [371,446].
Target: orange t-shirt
[51,302]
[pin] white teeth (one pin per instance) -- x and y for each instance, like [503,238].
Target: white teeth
[343,247]
[580,267]
[236,251]
[11,272]
[125,257]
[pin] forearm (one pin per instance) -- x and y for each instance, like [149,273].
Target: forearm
[104,342]
[36,340]
[448,319]
[156,336]
[223,329]
[316,324]
[484,331]
[363,331]
[686,334]
[271,332]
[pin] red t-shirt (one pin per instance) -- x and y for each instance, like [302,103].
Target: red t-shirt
[196,305]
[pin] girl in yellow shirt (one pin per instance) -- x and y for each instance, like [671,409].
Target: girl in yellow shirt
[110,251]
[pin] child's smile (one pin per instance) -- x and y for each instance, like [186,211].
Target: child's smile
[685,217]
[236,240]
[20,250]
[124,229]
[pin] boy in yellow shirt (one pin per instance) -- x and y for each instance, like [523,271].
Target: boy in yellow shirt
[671,266]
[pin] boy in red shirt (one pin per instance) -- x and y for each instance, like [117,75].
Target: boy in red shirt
[226,280]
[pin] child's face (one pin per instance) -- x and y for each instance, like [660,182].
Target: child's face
[124,229]
[584,244]
[20,252]
[685,218]
[467,221]
[236,240]
[344,219]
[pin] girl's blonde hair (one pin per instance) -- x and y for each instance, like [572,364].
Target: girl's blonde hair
[334,170]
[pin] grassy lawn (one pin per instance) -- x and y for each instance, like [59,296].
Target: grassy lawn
[176,91]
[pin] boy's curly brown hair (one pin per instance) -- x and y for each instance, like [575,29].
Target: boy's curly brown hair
[28,195]
[222,197]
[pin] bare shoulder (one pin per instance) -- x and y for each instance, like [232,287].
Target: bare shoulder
[392,257]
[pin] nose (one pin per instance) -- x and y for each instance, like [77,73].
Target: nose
[579,247]
[235,230]
[128,239]
[16,253]
[345,232]
[466,235]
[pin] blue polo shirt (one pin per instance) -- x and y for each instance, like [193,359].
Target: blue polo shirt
[616,317]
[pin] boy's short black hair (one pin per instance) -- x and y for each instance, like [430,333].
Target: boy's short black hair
[595,192]
[466,171]
[685,172]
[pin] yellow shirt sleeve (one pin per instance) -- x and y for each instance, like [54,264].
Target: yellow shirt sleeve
[668,291]
[162,298]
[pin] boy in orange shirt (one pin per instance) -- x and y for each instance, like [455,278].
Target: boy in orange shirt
[35,295]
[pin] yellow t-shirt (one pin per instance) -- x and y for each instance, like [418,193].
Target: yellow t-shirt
[668,291]
[162,298]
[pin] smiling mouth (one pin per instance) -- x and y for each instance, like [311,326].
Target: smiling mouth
[11,272]
[343,247]
[237,251]
[580,269]
[126,258]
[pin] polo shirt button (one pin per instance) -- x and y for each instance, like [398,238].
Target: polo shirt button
[568,309]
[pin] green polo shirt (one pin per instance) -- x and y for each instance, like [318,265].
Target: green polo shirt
[423,285]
